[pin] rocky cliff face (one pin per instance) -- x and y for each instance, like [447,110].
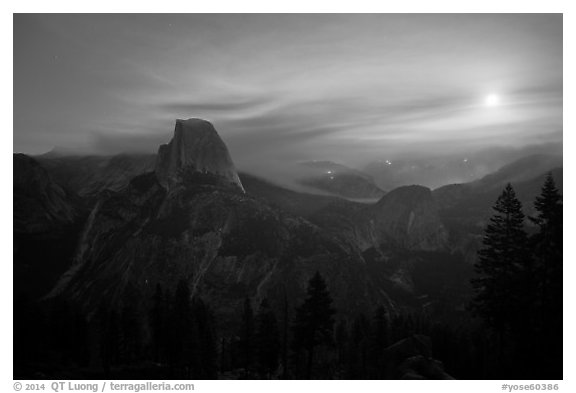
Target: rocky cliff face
[196,146]
[226,244]
[406,218]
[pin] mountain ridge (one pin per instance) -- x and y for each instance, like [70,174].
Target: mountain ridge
[259,240]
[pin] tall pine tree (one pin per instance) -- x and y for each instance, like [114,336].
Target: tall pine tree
[548,252]
[548,244]
[314,323]
[503,267]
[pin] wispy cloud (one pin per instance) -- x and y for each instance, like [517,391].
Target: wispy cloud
[288,87]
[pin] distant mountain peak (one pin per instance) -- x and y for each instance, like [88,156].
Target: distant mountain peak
[407,195]
[521,170]
[408,217]
[195,145]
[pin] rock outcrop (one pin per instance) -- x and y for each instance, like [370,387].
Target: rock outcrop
[196,146]
[406,218]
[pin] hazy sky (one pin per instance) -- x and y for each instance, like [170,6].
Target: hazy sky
[289,87]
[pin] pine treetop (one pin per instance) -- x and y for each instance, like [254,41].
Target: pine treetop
[549,203]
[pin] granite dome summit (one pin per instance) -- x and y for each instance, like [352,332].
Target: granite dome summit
[195,146]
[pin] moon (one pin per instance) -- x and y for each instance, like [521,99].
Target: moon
[492,100]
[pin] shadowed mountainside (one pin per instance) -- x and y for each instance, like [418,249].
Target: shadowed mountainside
[47,219]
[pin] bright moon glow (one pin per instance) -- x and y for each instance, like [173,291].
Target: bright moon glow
[492,100]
